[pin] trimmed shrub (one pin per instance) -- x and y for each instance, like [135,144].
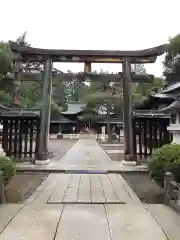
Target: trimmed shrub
[165,159]
[8,167]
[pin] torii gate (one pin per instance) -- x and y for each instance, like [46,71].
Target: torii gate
[126,58]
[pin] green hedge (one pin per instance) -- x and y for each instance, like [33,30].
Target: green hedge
[165,159]
[7,167]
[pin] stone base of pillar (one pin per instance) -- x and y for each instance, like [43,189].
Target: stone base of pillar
[129,163]
[129,160]
[42,158]
[42,162]
[103,138]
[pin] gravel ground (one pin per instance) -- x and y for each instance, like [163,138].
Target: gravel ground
[22,186]
[59,148]
[114,156]
[145,188]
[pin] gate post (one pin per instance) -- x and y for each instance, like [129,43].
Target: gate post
[127,95]
[42,151]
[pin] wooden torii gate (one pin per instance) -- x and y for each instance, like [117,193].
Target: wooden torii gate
[126,58]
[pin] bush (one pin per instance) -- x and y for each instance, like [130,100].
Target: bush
[165,159]
[8,167]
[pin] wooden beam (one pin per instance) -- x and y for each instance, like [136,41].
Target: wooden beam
[98,56]
[87,67]
[87,77]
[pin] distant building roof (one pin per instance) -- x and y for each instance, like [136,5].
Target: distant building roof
[173,107]
[78,107]
[168,95]
[63,119]
[74,108]
[164,95]
[4,108]
[172,87]
[113,120]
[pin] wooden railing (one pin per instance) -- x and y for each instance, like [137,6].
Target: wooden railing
[20,136]
[149,133]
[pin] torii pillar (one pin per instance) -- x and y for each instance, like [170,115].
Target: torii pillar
[43,154]
[127,113]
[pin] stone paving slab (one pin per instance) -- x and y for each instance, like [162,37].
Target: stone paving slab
[42,221]
[83,222]
[7,212]
[111,222]
[167,218]
[34,222]
[86,154]
[38,220]
[92,188]
[130,222]
[92,221]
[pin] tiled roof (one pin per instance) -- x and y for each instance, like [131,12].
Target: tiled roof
[74,108]
[172,87]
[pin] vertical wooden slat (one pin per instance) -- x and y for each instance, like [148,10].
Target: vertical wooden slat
[155,132]
[32,124]
[151,136]
[161,130]
[15,136]
[145,133]
[21,127]
[37,135]
[5,136]
[158,132]
[140,145]
[10,140]
[25,138]
[134,135]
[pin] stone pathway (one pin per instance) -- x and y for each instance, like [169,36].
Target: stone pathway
[80,206]
[86,154]
[92,188]
[37,219]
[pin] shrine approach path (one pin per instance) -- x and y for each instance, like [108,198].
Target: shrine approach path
[80,205]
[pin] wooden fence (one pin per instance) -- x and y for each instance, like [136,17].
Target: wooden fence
[20,135]
[149,133]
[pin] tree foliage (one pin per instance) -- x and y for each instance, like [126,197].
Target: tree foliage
[102,99]
[144,90]
[172,58]
[5,58]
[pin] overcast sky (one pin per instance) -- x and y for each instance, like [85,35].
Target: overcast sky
[95,24]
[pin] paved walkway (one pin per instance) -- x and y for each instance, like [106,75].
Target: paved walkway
[86,154]
[80,206]
[40,218]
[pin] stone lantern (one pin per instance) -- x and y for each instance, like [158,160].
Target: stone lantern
[174,127]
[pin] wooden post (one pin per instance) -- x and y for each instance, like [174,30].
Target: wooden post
[42,152]
[127,95]
[87,67]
